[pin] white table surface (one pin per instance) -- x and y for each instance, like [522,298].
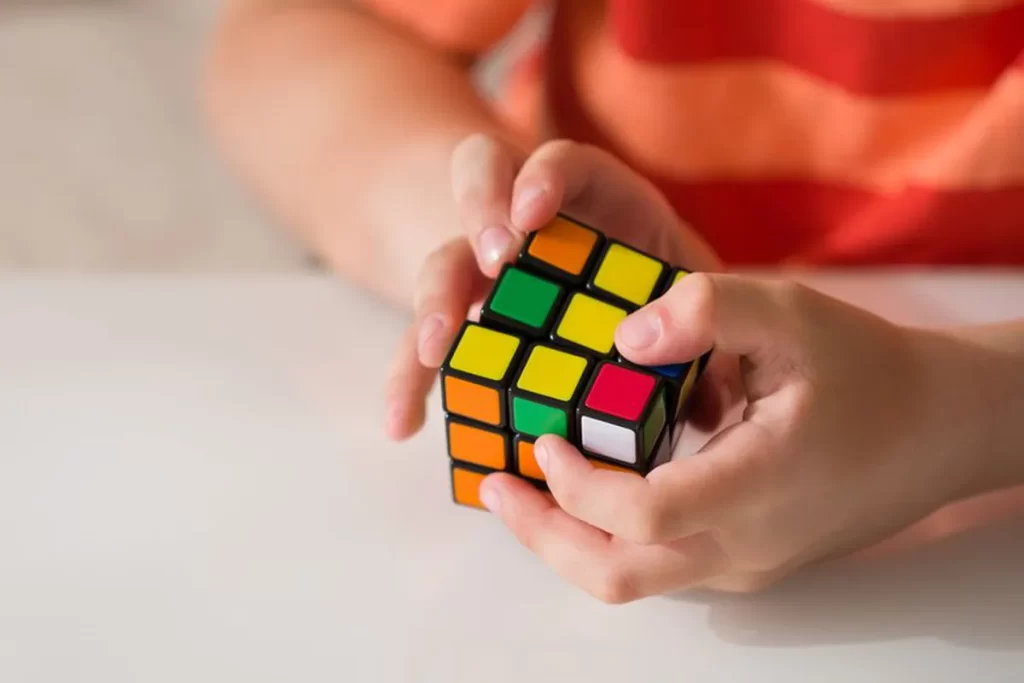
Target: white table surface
[194,487]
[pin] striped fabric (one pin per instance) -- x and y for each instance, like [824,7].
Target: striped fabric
[825,132]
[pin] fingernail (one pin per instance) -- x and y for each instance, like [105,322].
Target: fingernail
[494,243]
[524,204]
[640,330]
[429,328]
[540,454]
[490,498]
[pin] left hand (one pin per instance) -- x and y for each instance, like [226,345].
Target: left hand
[854,429]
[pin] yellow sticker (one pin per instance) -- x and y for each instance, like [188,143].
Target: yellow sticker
[484,352]
[552,373]
[590,323]
[628,274]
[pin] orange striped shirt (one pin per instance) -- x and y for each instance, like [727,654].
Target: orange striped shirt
[821,132]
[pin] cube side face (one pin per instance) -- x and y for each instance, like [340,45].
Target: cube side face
[654,424]
[588,324]
[522,302]
[625,275]
[474,444]
[565,250]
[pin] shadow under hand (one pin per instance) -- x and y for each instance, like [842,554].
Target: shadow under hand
[967,590]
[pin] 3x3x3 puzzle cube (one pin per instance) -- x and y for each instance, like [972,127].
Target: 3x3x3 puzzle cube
[542,360]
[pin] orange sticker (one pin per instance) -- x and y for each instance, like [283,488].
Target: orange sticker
[564,244]
[600,464]
[472,400]
[528,466]
[477,446]
[466,487]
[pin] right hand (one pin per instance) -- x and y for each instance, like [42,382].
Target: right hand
[502,196]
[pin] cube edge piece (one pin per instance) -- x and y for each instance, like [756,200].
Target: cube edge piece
[503,323]
[641,465]
[611,297]
[570,405]
[500,385]
[505,434]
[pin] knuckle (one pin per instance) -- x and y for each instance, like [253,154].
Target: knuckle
[615,586]
[473,146]
[650,526]
[790,294]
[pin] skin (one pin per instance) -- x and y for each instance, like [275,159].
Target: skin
[799,479]
[828,459]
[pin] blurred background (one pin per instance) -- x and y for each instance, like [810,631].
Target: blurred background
[104,160]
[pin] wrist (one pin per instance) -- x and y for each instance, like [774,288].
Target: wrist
[975,399]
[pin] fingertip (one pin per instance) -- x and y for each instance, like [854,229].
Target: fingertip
[433,340]
[399,423]
[532,206]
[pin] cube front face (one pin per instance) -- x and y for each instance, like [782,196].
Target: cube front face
[542,360]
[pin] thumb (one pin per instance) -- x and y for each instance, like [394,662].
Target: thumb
[732,314]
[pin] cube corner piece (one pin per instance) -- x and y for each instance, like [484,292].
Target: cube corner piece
[565,250]
[476,373]
[622,415]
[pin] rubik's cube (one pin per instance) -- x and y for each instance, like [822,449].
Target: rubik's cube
[542,360]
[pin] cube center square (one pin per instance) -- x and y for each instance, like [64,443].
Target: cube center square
[589,323]
[484,352]
[552,373]
[627,274]
[523,299]
[620,392]
[565,245]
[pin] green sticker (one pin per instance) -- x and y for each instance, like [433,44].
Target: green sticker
[524,297]
[536,419]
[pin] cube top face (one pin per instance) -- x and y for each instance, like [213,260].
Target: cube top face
[589,323]
[552,373]
[678,275]
[484,352]
[565,246]
[627,274]
[524,298]
[620,392]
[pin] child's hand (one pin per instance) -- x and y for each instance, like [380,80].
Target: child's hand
[503,196]
[854,429]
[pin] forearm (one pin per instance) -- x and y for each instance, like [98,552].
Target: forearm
[345,129]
